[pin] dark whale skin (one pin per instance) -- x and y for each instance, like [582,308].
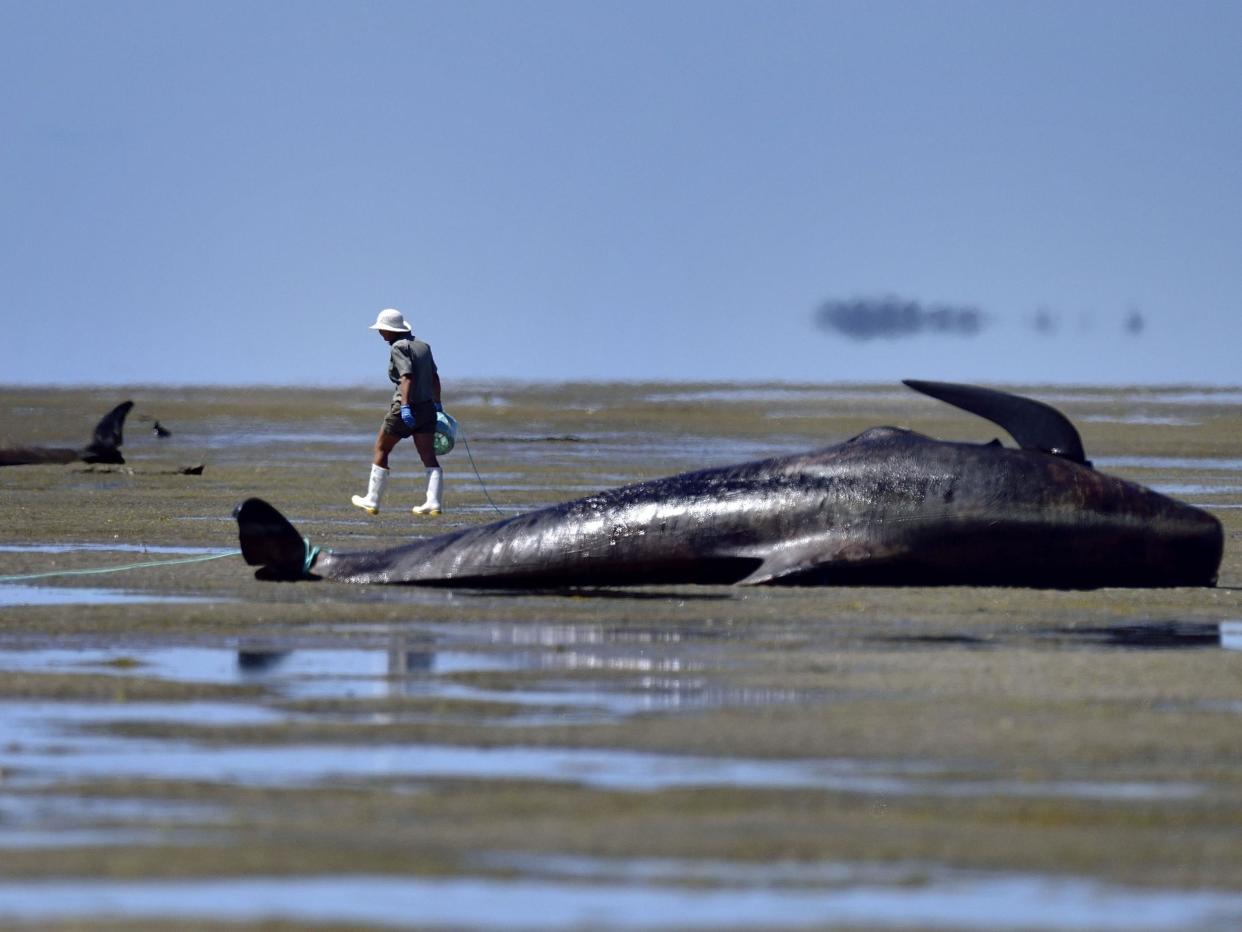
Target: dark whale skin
[889,507]
[105,445]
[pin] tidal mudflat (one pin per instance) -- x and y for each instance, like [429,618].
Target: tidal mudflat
[182,743]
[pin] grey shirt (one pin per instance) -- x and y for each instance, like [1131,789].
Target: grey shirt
[413,358]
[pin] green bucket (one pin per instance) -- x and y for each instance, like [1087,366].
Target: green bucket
[446,433]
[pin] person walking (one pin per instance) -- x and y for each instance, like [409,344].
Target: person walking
[412,413]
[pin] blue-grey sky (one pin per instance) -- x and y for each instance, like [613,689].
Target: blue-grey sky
[220,191]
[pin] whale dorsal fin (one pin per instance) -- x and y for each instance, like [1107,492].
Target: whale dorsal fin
[1033,424]
[105,446]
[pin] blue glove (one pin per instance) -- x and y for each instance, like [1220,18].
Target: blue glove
[407,416]
[439,407]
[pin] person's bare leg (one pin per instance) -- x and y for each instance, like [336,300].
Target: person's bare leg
[426,446]
[384,442]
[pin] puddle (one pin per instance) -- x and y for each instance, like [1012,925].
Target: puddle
[69,821]
[414,669]
[1220,706]
[1206,463]
[966,902]
[937,640]
[76,838]
[731,873]
[297,674]
[37,750]
[1195,488]
[1164,635]
[1143,419]
[649,671]
[562,635]
[1188,396]
[803,395]
[224,437]
[11,595]
[21,810]
[592,672]
[22,722]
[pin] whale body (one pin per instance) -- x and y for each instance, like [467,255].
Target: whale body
[887,507]
[105,445]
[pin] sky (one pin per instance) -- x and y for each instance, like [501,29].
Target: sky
[228,192]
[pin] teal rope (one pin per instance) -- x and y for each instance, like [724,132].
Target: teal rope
[309,560]
[466,443]
[120,569]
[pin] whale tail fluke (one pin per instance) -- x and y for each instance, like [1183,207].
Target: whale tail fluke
[105,446]
[1033,424]
[270,542]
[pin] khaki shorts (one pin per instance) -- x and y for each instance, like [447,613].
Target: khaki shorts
[424,420]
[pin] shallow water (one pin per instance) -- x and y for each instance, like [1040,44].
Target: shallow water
[645,670]
[12,594]
[43,745]
[969,903]
[1159,635]
[1140,419]
[1193,396]
[44,821]
[292,673]
[1179,489]
[1209,463]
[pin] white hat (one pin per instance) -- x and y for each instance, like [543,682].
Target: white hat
[391,319]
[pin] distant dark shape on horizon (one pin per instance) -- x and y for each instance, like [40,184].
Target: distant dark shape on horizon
[892,317]
[1044,322]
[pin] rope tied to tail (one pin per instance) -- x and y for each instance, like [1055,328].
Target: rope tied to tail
[101,570]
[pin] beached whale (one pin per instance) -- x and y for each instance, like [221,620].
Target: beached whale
[105,445]
[889,507]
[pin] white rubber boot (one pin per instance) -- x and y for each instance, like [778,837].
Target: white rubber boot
[375,491]
[435,482]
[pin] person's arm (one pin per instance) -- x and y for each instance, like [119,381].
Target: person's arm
[407,414]
[435,391]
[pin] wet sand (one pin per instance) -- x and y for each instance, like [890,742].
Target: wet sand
[670,750]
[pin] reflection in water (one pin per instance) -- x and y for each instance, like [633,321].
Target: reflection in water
[396,669]
[403,661]
[400,660]
[603,671]
[1161,635]
[260,661]
[605,592]
[937,640]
